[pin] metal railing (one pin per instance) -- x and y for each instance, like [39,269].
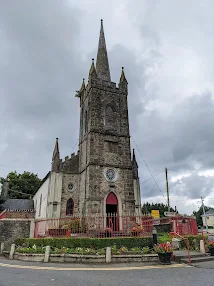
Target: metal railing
[173,234]
[110,225]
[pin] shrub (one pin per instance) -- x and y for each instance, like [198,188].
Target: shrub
[194,241]
[146,250]
[95,243]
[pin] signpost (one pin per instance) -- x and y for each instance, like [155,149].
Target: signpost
[170,213]
[155,214]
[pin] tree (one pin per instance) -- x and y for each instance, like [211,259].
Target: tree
[1,202]
[22,186]
[198,215]
[147,208]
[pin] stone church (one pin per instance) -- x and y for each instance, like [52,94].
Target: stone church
[102,177]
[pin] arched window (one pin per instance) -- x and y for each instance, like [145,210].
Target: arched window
[110,118]
[70,207]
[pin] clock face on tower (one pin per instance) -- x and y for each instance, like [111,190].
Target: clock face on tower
[110,175]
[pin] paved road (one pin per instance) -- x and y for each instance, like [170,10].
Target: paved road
[15,273]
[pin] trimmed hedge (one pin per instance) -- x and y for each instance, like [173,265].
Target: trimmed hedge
[96,243]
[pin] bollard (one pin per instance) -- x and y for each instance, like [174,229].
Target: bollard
[12,250]
[154,236]
[202,248]
[32,228]
[2,248]
[47,253]
[108,254]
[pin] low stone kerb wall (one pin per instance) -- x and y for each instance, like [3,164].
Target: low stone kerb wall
[79,258]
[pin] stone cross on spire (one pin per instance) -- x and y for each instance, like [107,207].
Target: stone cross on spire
[102,66]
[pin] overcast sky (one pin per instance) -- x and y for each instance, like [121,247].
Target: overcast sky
[166,47]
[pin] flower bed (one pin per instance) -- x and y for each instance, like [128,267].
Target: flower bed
[85,251]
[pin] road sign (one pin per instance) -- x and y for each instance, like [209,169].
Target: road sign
[156,222]
[169,213]
[155,214]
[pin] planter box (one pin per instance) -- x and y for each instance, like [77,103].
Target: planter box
[148,258]
[78,258]
[57,257]
[211,251]
[37,257]
[165,258]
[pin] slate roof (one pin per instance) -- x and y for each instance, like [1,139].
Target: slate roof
[209,212]
[18,205]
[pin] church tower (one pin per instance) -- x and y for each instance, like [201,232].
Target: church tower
[106,177]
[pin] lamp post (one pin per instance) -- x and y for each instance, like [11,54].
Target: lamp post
[154,236]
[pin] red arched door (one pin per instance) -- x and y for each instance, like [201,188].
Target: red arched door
[112,212]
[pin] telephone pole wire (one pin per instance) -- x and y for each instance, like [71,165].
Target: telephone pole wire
[167,189]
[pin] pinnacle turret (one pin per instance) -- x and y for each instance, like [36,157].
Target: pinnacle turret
[56,158]
[123,77]
[123,84]
[102,65]
[92,71]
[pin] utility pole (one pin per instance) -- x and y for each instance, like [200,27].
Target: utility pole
[167,190]
[205,218]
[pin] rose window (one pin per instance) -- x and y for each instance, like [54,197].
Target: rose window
[70,186]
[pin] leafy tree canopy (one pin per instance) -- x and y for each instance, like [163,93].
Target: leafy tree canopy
[1,202]
[27,183]
[199,213]
[147,208]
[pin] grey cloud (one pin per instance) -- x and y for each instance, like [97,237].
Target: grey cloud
[193,186]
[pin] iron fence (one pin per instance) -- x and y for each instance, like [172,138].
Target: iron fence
[110,225]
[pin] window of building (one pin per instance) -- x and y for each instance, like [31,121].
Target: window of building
[70,187]
[40,205]
[110,175]
[70,207]
[54,207]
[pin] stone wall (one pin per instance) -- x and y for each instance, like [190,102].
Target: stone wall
[11,229]
[21,214]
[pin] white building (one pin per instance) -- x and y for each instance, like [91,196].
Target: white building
[210,218]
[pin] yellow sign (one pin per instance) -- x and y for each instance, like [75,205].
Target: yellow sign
[155,214]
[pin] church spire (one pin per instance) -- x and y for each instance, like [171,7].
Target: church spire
[102,66]
[56,158]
